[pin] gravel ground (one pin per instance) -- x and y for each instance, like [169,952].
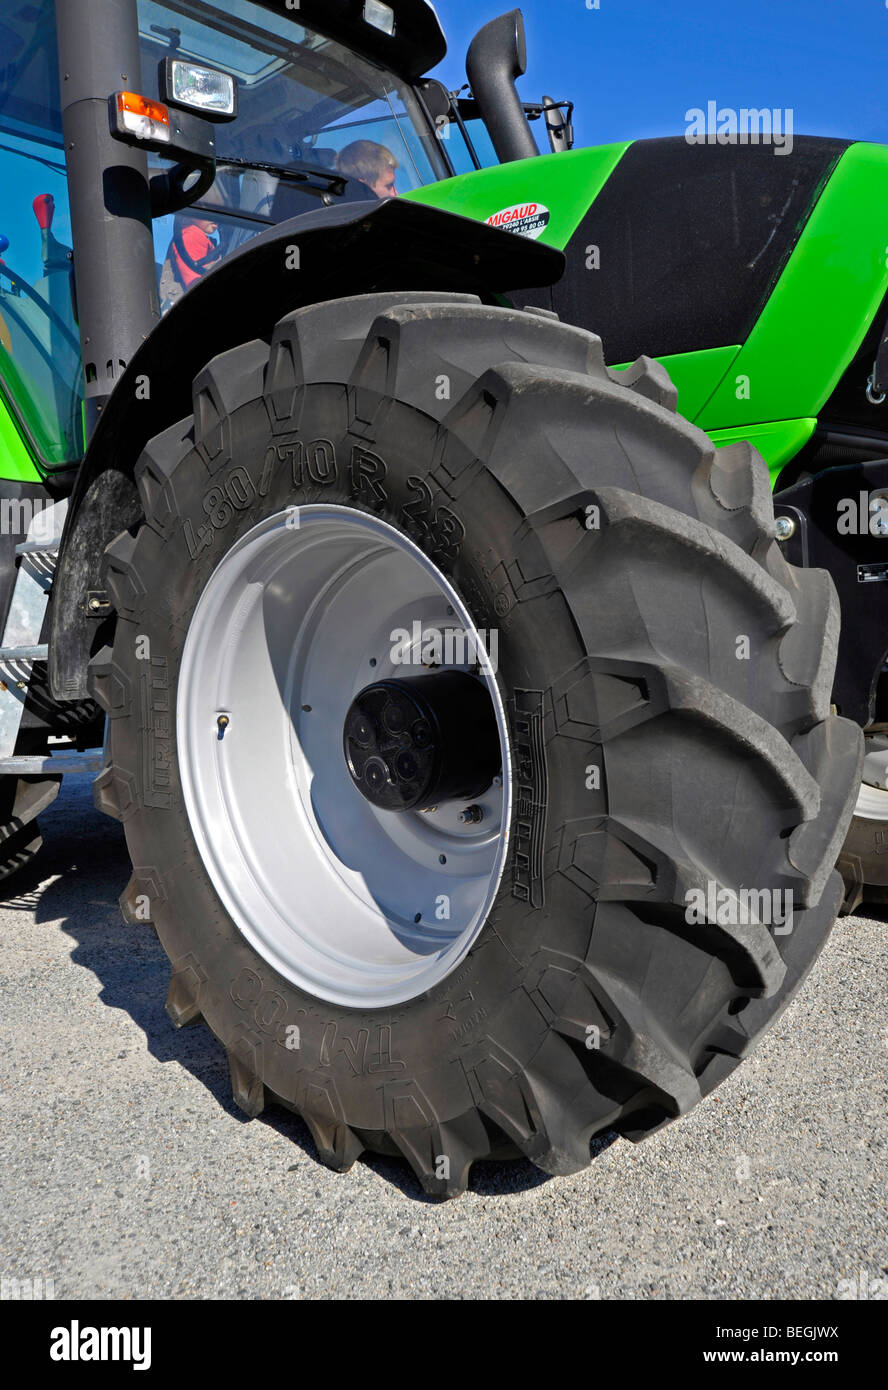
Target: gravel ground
[127,1172]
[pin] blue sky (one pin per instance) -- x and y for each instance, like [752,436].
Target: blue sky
[634,67]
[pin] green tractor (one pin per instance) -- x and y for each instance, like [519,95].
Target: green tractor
[481,726]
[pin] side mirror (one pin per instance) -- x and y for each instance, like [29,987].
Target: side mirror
[559,127]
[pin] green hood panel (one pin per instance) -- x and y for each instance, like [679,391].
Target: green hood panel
[822,306]
[565,185]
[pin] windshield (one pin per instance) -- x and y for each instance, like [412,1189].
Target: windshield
[307,107]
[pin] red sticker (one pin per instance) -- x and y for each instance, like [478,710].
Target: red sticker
[527,219]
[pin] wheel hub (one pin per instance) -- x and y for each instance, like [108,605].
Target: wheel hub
[411,744]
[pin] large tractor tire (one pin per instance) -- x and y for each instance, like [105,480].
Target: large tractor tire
[418,954]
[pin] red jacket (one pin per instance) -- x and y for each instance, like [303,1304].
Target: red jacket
[199,250]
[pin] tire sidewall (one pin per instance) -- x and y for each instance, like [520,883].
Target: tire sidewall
[421,1053]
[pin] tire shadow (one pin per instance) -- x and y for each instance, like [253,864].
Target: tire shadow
[876,912]
[75,882]
[87,851]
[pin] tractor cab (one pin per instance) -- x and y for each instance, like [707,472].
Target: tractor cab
[311,123]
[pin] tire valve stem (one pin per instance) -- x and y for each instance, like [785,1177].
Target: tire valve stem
[222,724]
[470,816]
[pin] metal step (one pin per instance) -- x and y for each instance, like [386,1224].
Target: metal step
[90,761]
[20,642]
[37,548]
[38,653]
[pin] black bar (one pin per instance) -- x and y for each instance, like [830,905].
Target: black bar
[109,192]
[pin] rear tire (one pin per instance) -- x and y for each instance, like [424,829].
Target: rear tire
[666,679]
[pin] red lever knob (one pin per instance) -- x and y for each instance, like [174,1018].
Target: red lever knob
[44,210]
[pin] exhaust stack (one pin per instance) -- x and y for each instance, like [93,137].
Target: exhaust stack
[497,56]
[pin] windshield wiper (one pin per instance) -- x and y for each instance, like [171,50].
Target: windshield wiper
[335,182]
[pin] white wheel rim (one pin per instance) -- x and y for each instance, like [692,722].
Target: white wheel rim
[324,885]
[872,803]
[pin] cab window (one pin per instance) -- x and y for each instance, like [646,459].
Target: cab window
[310,114]
[40,363]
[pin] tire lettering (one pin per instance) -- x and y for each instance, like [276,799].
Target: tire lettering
[239,488]
[448,532]
[270,1011]
[532,798]
[246,988]
[418,511]
[267,1007]
[314,462]
[367,473]
[442,532]
[321,462]
[196,542]
[217,507]
[157,731]
[271,458]
[238,492]
[364,1059]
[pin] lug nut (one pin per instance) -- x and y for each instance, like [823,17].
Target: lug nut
[394,718]
[422,734]
[406,765]
[470,816]
[376,773]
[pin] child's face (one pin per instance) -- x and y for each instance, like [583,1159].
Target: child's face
[207,226]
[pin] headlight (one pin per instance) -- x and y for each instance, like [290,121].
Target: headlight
[207,90]
[380,16]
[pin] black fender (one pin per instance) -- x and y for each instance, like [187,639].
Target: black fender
[355,248]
